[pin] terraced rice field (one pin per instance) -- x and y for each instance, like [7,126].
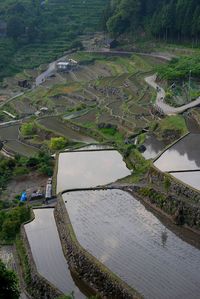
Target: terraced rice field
[184,155]
[114,86]
[134,244]
[9,132]
[89,169]
[22,106]
[182,160]
[59,127]
[89,117]
[47,252]
[153,147]
[15,146]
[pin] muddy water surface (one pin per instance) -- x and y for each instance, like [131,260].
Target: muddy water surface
[133,243]
[89,169]
[47,252]
[184,155]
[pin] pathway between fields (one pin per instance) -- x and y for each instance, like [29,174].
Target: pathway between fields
[161,105]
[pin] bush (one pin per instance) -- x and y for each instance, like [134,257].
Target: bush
[28,129]
[20,171]
[9,284]
[46,170]
[58,143]
[11,220]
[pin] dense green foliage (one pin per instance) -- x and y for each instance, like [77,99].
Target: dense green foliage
[11,220]
[39,31]
[180,68]
[174,19]
[170,128]
[58,143]
[6,170]
[22,165]
[28,129]
[9,283]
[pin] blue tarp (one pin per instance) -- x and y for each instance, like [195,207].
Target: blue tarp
[23,196]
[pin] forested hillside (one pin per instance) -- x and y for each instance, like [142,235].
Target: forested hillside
[174,19]
[35,31]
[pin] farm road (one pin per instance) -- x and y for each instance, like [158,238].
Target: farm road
[165,108]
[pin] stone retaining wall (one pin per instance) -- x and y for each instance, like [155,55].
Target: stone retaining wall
[95,275]
[158,178]
[175,199]
[38,286]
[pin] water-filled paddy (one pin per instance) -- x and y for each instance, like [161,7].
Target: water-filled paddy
[133,243]
[191,178]
[184,155]
[153,147]
[47,252]
[89,169]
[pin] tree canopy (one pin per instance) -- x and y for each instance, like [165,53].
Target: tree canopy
[174,19]
[9,283]
[58,143]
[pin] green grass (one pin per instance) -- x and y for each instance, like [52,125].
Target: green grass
[174,122]
[59,24]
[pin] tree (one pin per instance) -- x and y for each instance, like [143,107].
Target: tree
[9,283]
[125,16]
[28,129]
[172,19]
[15,27]
[58,143]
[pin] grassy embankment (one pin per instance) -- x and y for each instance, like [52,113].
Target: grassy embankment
[181,79]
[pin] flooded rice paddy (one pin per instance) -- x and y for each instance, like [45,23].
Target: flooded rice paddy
[191,178]
[153,147]
[182,160]
[89,169]
[133,243]
[47,252]
[184,155]
[9,134]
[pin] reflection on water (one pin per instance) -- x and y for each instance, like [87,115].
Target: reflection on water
[89,169]
[164,237]
[153,147]
[184,155]
[47,252]
[191,178]
[133,243]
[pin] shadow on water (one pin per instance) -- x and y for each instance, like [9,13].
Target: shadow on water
[153,147]
[183,155]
